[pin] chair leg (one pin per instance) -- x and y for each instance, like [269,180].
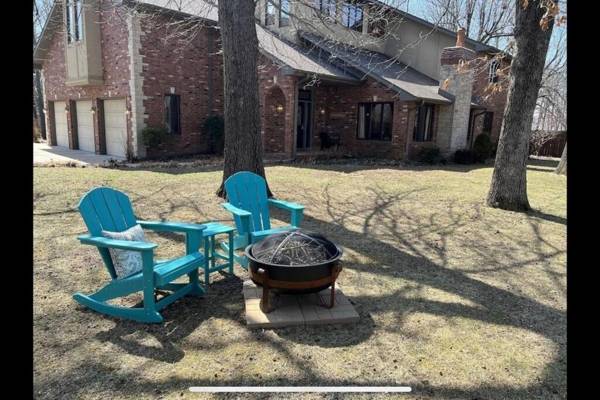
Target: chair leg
[195,282]
[207,256]
[151,312]
[230,252]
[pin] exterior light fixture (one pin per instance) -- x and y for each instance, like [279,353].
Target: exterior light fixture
[322,111]
[279,108]
[93,109]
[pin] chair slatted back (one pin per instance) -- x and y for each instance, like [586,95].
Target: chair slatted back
[104,208]
[248,191]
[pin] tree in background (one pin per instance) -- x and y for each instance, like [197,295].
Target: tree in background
[534,21]
[484,20]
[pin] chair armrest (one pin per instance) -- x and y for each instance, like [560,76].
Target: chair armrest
[171,226]
[286,205]
[116,244]
[296,210]
[238,212]
[243,224]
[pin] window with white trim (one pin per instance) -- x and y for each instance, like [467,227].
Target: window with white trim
[269,13]
[74,20]
[284,13]
[493,71]
[352,15]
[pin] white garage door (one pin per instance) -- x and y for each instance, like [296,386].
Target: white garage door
[60,122]
[115,127]
[85,126]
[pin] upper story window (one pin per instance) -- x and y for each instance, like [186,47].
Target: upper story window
[270,13]
[74,21]
[284,13]
[493,71]
[172,114]
[375,121]
[327,8]
[424,123]
[352,15]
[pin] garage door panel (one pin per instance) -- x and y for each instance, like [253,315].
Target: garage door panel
[115,127]
[85,126]
[60,123]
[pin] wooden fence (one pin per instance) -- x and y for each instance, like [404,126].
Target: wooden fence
[552,147]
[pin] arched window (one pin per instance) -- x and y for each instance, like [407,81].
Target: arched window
[493,72]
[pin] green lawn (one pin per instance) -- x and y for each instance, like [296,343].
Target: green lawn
[456,299]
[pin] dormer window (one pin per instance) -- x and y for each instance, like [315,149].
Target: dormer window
[493,71]
[284,13]
[270,13]
[327,8]
[74,21]
[352,15]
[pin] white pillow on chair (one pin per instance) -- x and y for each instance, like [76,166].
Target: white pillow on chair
[126,262]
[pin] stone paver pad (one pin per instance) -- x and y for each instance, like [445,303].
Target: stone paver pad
[293,310]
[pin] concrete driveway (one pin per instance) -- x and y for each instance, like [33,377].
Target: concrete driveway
[45,155]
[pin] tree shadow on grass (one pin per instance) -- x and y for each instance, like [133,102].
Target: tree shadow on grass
[396,251]
[181,319]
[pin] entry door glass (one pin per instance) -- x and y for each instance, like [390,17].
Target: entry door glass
[304,122]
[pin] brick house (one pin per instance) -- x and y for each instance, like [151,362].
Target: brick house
[111,68]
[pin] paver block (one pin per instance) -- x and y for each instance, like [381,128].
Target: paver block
[293,310]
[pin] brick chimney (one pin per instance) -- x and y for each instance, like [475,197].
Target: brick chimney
[460,37]
[458,82]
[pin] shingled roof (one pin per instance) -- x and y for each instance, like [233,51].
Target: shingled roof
[408,82]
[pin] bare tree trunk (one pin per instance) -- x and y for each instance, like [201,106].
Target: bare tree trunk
[509,182]
[39,104]
[243,144]
[561,169]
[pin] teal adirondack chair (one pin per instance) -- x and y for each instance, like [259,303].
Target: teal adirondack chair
[104,208]
[249,204]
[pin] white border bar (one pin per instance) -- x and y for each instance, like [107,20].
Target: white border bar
[297,389]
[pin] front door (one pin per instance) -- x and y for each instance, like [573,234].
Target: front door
[304,120]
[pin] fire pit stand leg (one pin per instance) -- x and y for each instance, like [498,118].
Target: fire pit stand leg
[265,303]
[334,274]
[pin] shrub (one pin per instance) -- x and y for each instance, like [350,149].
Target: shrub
[483,147]
[429,155]
[464,157]
[214,127]
[153,136]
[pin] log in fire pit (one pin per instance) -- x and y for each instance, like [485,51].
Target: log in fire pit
[294,262]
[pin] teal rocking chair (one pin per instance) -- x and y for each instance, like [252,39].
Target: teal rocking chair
[108,209]
[249,204]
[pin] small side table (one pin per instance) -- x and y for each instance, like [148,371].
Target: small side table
[211,254]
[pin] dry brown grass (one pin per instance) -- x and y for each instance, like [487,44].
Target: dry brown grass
[456,299]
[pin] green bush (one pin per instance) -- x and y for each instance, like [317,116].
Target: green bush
[483,147]
[214,127]
[464,157]
[153,136]
[429,155]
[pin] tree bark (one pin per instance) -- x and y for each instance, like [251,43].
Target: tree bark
[39,104]
[243,144]
[508,188]
[561,169]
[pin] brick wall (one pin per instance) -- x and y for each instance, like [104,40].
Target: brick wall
[190,69]
[495,102]
[340,106]
[115,61]
[272,84]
